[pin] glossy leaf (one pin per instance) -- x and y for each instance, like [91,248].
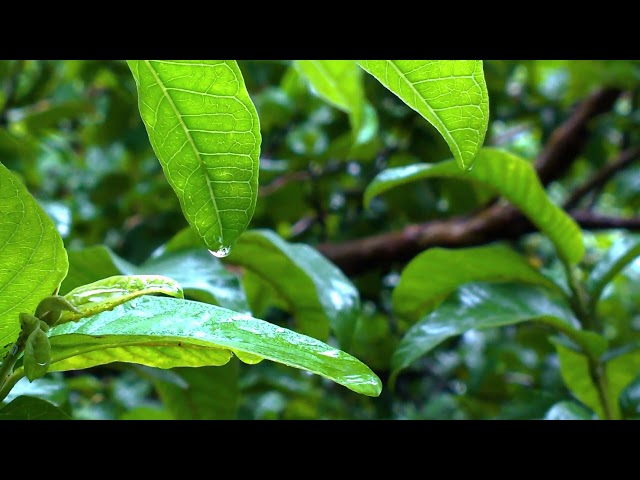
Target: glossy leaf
[449,94]
[166,332]
[510,176]
[574,368]
[33,260]
[319,295]
[568,411]
[201,275]
[205,131]
[479,306]
[109,292]
[339,82]
[32,408]
[621,253]
[435,273]
[209,393]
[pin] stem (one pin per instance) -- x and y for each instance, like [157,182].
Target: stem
[599,378]
[578,300]
[9,361]
[10,383]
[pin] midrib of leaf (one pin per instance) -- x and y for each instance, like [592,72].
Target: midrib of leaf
[190,139]
[442,128]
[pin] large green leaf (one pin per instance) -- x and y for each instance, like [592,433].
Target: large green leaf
[32,408]
[319,295]
[208,393]
[339,82]
[435,273]
[205,131]
[33,260]
[509,175]
[450,94]
[201,276]
[621,253]
[480,306]
[166,332]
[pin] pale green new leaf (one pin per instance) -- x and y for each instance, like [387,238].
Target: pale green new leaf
[165,332]
[205,131]
[512,177]
[318,294]
[339,82]
[450,94]
[107,293]
[201,275]
[435,273]
[480,306]
[621,371]
[33,260]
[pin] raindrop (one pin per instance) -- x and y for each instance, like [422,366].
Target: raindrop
[221,253]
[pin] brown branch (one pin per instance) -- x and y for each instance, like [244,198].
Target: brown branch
[602,176]
[593,221]
[567,141]
[499,221]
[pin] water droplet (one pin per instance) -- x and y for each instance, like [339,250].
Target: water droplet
[221,253]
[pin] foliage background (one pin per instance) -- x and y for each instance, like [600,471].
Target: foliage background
[72,131]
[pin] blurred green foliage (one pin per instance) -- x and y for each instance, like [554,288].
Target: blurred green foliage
[72,131]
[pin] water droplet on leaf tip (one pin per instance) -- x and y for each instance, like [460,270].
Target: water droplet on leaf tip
[221,253]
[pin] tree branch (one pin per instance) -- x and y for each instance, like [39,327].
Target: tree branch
[497,221]
[602,176]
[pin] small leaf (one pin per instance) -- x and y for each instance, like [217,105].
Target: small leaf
[205,131]
[449,94]
[568,411]
[340,83]
[435,273]
[575,371]
[621,253]
[32,408]
[621,371]
[37,355]
[33,260]
[166,332]
[108,293]
[319,295]
[480,306]
[509,175]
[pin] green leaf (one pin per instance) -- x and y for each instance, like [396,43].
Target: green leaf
[37,355]
[620,372]
[33,260]
[435,273]
[621,253]
[480,306]
[201,276]
[339,82]
[32,408]
[319,295]
[509,175]
[146,413]
[107,293]
[91,264]
[568,411]
[205,131]
[166,332]
[209,393]
[449,94]
[574,368]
